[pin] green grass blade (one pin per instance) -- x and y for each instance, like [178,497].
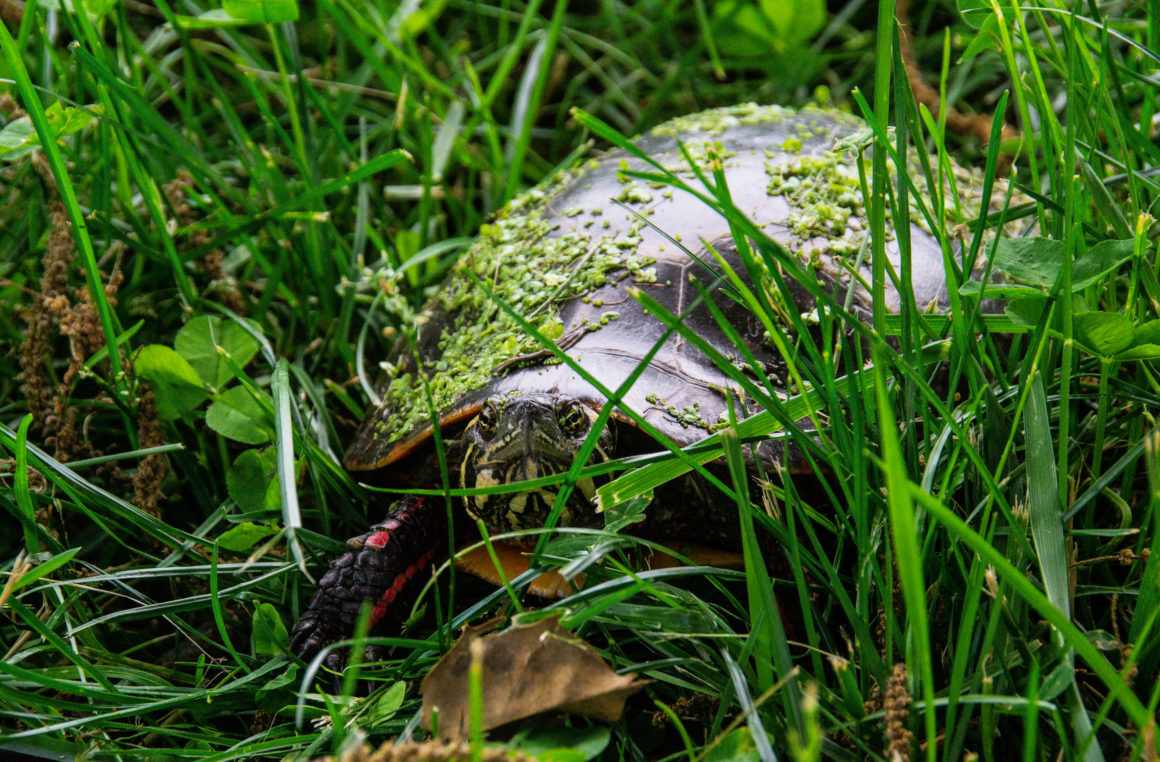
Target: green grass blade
[1017,581]
[287,471]
[907,555]
[27,513]
[769,645]
[1043,500]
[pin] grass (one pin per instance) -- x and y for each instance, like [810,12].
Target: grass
[975,568]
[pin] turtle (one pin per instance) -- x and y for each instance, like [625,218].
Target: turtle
[563,264]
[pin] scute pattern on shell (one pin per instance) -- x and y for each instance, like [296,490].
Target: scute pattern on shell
[561,254]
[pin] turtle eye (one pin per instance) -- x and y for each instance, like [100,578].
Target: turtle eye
[488,417]
[572,419]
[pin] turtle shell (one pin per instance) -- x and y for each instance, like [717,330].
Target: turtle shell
[565,255]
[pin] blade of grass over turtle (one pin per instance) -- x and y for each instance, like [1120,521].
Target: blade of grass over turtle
[905,126]
[916,196]
[442,463]
[756,306]
[743,228]
[572,475]
[721,201]
[805,442]
[677,324]
[756,300]
[876,207]
[909,372]
[760,425]
[983,221]
[795,269]
[772,405]
[604,596]
[612,594]
[724,273]
[505,488]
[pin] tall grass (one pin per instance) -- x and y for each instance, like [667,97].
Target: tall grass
[200,274]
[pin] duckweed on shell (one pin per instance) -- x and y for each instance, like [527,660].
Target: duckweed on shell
[535,258]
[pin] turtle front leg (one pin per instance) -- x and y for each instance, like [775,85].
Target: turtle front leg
[386,566]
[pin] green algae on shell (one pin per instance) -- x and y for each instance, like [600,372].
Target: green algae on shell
[719,120]
[524,266]
[544,251]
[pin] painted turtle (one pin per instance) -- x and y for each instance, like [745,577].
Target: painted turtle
[564,257]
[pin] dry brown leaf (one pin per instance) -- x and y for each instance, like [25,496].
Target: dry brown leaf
[527,670]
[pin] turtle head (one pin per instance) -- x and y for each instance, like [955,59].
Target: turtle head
[524,437]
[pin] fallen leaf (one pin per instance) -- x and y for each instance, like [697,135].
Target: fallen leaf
[526,670]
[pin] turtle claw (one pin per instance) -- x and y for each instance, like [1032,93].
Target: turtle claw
[309,637]
[383,568]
